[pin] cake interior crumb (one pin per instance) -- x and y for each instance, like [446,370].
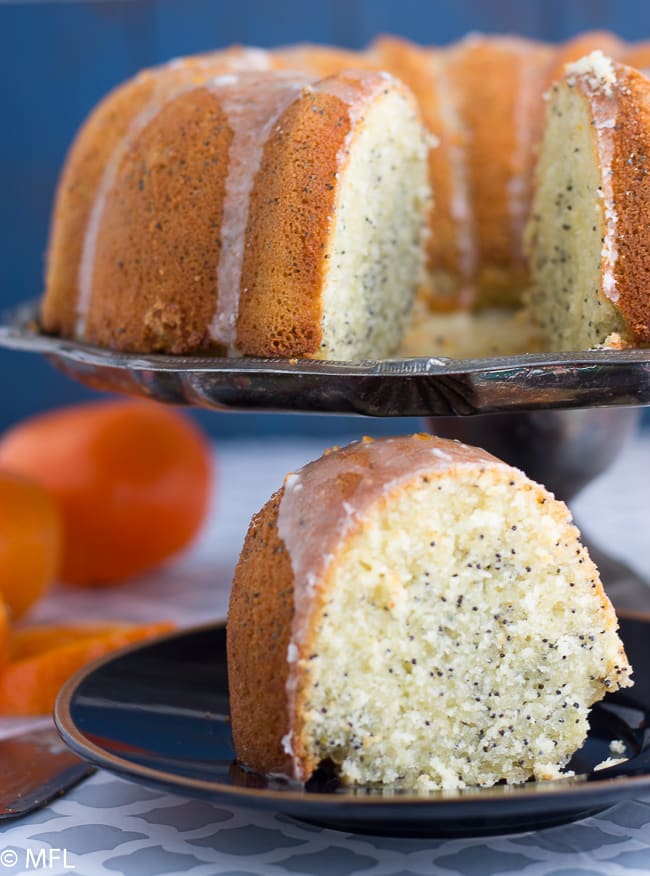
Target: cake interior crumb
[463,640]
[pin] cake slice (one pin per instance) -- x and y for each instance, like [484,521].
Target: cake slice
[589,236]
[414,611]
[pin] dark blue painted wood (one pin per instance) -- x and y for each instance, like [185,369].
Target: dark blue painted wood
[58,58]
[629,18]
[205,24]
[444,20]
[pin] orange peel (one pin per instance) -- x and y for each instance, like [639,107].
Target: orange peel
[31,542]
[41,658]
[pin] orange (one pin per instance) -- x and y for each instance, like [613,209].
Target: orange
[41,658]
[4,634]
[132,479]
[31,540]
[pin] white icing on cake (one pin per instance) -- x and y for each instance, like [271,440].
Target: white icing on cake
[236,60]
[252,106]
[604,124]
[459,206]
[292,482]
[357,89]
[287,747]
[597,69]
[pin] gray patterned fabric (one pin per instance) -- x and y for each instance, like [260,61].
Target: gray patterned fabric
[108,829]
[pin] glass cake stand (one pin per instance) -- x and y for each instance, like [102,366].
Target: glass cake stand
[561,417]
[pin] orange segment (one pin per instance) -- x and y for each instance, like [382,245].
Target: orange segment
[4,634]
[31,542]
[41,658]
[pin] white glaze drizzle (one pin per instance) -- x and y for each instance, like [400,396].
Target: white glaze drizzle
[249,58]
[597,69]
[528,106]
[459,205]
[597,76]
[89,247]
[356,89]
[253,111]
[312,522]
[236,59]
[253,106]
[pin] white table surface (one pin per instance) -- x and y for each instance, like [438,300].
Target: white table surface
[109,825]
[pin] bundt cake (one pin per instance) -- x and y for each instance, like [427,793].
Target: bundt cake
[415,611]
[85,181]
[267,215]
[589,235]
[152,248]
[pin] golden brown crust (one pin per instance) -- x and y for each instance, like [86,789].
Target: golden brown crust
[631,187]
[496,120]
[259,628]
[158,247]
[286,244]
[102,134]
[75,196]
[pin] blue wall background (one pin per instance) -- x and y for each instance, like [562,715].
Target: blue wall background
[58,58]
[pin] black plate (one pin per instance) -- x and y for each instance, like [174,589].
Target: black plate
[158,713]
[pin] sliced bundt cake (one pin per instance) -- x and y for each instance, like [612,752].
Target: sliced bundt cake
[237,201]
[263,214]
[416,612]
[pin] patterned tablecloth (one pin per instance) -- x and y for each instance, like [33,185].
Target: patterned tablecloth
[108,825]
